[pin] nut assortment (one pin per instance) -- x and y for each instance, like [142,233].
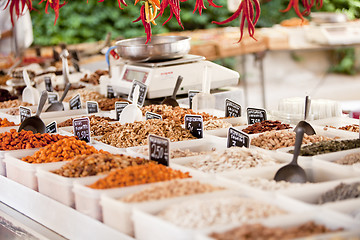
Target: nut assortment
[136,134]
[259,232]
[265,126]
[174,113]
[234,158]
[278,139]
[107,104]
[351,128]
[328,147]
[136,175]
[13,104]
[176,153]
[341,192]
[93,120]
[6,123]
[170,189]
[349,159]
[95,77]
[14,140]
[85,95]
[63,150]
[222,211]
[212,124]
[97,163]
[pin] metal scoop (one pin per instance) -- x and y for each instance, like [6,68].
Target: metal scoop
[59,106]
[308,129]
[34,123]
[131,112]
[292,172]
[29,94]
[171,101]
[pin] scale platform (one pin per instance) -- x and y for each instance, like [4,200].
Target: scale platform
[161,76]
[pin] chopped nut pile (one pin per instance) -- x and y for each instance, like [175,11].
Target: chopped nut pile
[171,189]
[95,77]
[97,163]
[215,124]
[13,104]
[136,134]
[93,120]
[351,128]
[85,95]
[107,104]
[176,153]
[223,211]
[279,139]
[265,126]
[349,159]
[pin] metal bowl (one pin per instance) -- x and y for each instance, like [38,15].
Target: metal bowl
[160,48]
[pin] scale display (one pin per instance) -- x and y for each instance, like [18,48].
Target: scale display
[131,75]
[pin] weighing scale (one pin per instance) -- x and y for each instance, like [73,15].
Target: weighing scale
[334,33]
[161,76]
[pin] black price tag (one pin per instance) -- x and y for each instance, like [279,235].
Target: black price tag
[75,102]
[53,97]
[24,113]
[194,123]
[237,138]
[119,107]
[232,109]
[151,115]
[48,84]
[255,115]
[82,129]
[92,107]
[191,95]
[159,149]
[142,92]
[110,92]
[51,127]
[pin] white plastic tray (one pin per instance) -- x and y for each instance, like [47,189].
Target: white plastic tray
[338,122]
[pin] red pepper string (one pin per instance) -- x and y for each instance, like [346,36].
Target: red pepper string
[246,7]
[15,8]
[174,10]
[199,5]
[147,25]
[119,2]
[54,4]
[307,5]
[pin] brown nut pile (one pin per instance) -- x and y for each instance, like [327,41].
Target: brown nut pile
[95,77]
[351,128]
[107,104]
[215,124]
[260,232]
[174,113]
[15,111]
[85,95]
[97,163]
[93,120]
[13,104]
[265,126]
[279,139]
[137,175]
[171,189]
[136,134]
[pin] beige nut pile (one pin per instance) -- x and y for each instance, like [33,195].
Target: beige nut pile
[349,159]
[176,153]
[136,134]
[234,158]
[85,95]
[197,213]
[279,139]
[14,104]
[216,124]
[170,189]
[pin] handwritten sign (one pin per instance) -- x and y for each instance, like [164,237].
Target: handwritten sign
[82,129]
[191,95]
[51,127]
[194,123]
[53,97]
[159,149]
[151,115]
[237,138]
[119,107]
[75,102]
[24,113]
[92,107]
[255,115]
[142,92]
[110,92]
[48,84]
[232,109]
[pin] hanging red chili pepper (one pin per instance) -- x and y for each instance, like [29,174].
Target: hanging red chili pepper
[119,2]
[174,10]
[17,7]
[246,9]
[54,4]
[147,25]
[308,4]
[199,5]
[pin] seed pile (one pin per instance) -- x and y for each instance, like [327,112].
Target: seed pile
[176,153]
[341,192]
[215,124]
[328,147]
[267,184]
[93,120]
[349,159]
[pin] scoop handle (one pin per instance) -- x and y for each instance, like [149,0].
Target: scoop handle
[67,87]
[42,101]
[307,107]
[136,95]
[26,78]
[298,141]
[206,81]
[177,85]
[65,66]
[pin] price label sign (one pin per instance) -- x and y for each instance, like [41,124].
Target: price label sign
[92,107]
[232,109]
[194,123]
[82,129]
[237,138]
[191,95]
[53,97]
[51,127]
[75,102]
[48,84]
[110,92]
[119,107]
[150,115]
[159,149]
[24,113]
[142,92]
[255,115]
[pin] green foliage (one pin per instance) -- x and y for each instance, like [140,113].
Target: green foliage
[344,61]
